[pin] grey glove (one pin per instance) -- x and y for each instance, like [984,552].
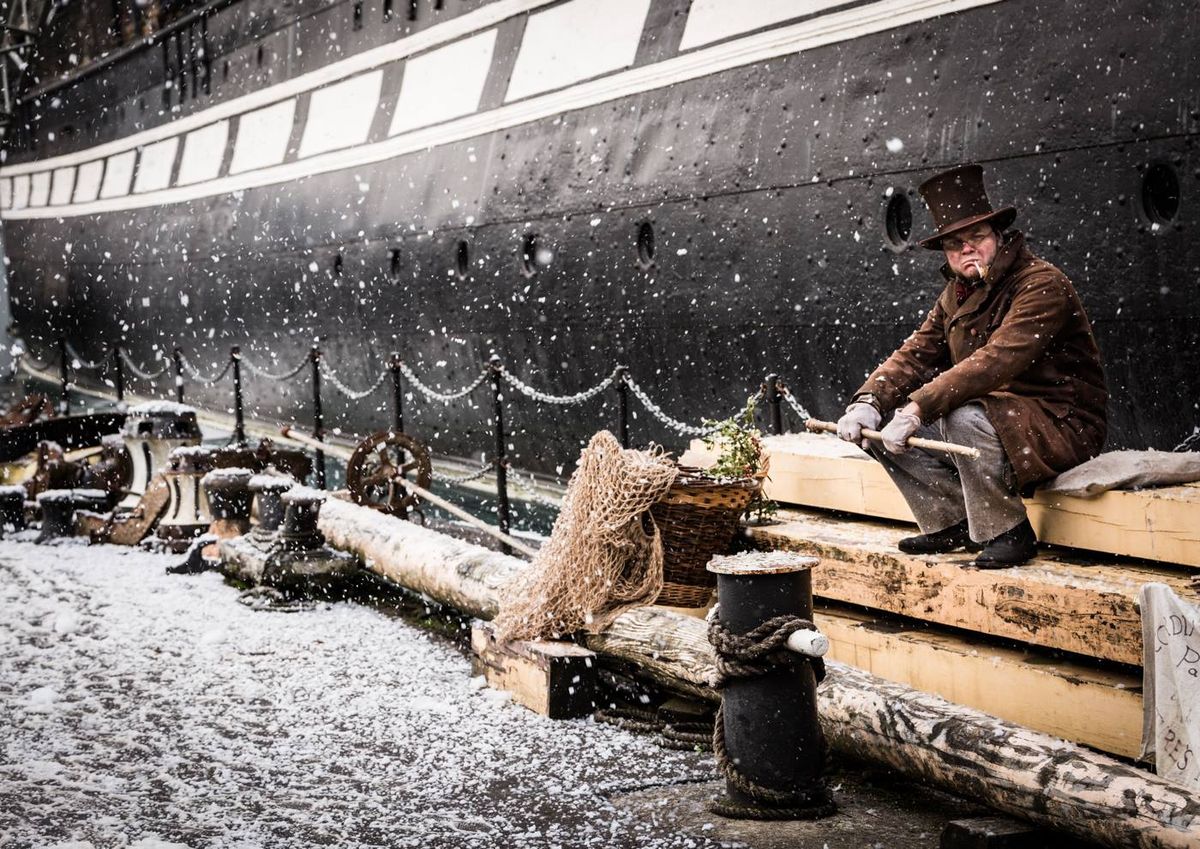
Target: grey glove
[858,416]
[899,429]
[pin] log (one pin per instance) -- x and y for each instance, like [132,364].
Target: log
[1012,769]
[1161,524]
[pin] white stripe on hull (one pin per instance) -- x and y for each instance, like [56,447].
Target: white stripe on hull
[251,170]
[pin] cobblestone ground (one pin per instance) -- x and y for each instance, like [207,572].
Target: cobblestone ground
[150,710]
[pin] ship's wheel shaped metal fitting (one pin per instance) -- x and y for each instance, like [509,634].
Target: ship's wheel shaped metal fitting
[381,468]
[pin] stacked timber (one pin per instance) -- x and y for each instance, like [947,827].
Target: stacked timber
[1014,769]
[1054,645]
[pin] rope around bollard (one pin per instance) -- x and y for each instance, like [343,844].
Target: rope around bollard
[562,400]
[136,370]
[681,736]
[262,372]
[352,394]
[441,397]
[195,373]
[755,653]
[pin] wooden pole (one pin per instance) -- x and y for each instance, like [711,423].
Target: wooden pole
[917,442]
[1010,768]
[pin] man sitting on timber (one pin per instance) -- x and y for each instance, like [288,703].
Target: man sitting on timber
[1005,362]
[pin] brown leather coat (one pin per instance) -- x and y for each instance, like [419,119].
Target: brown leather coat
[1022,345]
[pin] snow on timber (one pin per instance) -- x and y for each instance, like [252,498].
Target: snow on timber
[151,710]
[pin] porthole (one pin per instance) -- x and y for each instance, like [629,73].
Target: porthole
[1160,194]
[394,263]
[387,10]
[897,220]
[462,260]
[358,14]
[530,252]
[261,56]
[338,263]
[645,245]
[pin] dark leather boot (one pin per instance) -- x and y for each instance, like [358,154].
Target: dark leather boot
[1011,548]
[938,542]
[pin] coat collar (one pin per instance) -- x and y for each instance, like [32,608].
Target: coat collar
[1011,249]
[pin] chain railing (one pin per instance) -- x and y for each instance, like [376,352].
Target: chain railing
[441,397]
[117,360]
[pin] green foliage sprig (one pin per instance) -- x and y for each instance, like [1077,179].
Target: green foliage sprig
[738,443]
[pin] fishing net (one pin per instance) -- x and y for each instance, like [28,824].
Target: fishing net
[604,555]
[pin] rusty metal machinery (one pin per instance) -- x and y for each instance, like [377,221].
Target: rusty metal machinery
[378,472]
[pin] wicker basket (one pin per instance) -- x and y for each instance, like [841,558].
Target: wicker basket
[698,518]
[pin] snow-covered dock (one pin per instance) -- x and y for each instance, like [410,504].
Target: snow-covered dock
[152,710]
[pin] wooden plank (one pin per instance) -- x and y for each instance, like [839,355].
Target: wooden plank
[1101,708]
[1078,605]
[816,470]
[553,678]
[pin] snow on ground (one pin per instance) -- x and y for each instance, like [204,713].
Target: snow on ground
[140,709]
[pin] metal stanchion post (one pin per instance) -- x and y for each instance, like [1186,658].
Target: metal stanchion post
[502,507]
[177,356]
[318,431]
[623,405]
[397,394]
[64,377]
[774,404]
[119,373]
[768,743]
[239,414]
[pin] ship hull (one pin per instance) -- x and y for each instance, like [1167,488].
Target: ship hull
[766,185]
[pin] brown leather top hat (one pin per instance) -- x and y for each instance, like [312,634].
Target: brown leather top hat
[957,199]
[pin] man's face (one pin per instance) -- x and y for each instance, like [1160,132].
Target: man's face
[970,251]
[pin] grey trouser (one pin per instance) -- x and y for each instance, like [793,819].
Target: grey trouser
[942,489]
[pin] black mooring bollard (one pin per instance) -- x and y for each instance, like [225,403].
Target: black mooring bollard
[270,490]
[774,404]
[177,356]
[623,405]
[12,508]
[502,508]
[64,377]
[301,510]
[318,430]
[768,742]
[397,394]
[239,413]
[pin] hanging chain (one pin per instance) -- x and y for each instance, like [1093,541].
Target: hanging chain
[1192,439]
[36,364]
[204,381]
[442,397]
[262,372]
[796,406]
[562,400]
[657,412]
[531,493]
[137,370]
[352,394]
[482,472]
[83,362]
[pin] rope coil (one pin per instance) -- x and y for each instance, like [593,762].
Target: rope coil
[758,652]
[352,394]
[441,397]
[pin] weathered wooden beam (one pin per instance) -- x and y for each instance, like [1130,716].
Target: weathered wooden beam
[1100,708]
[815,470]
[1083,606]
[1012,769]
[552,677]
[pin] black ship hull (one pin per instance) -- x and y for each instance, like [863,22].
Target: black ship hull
[767,186]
